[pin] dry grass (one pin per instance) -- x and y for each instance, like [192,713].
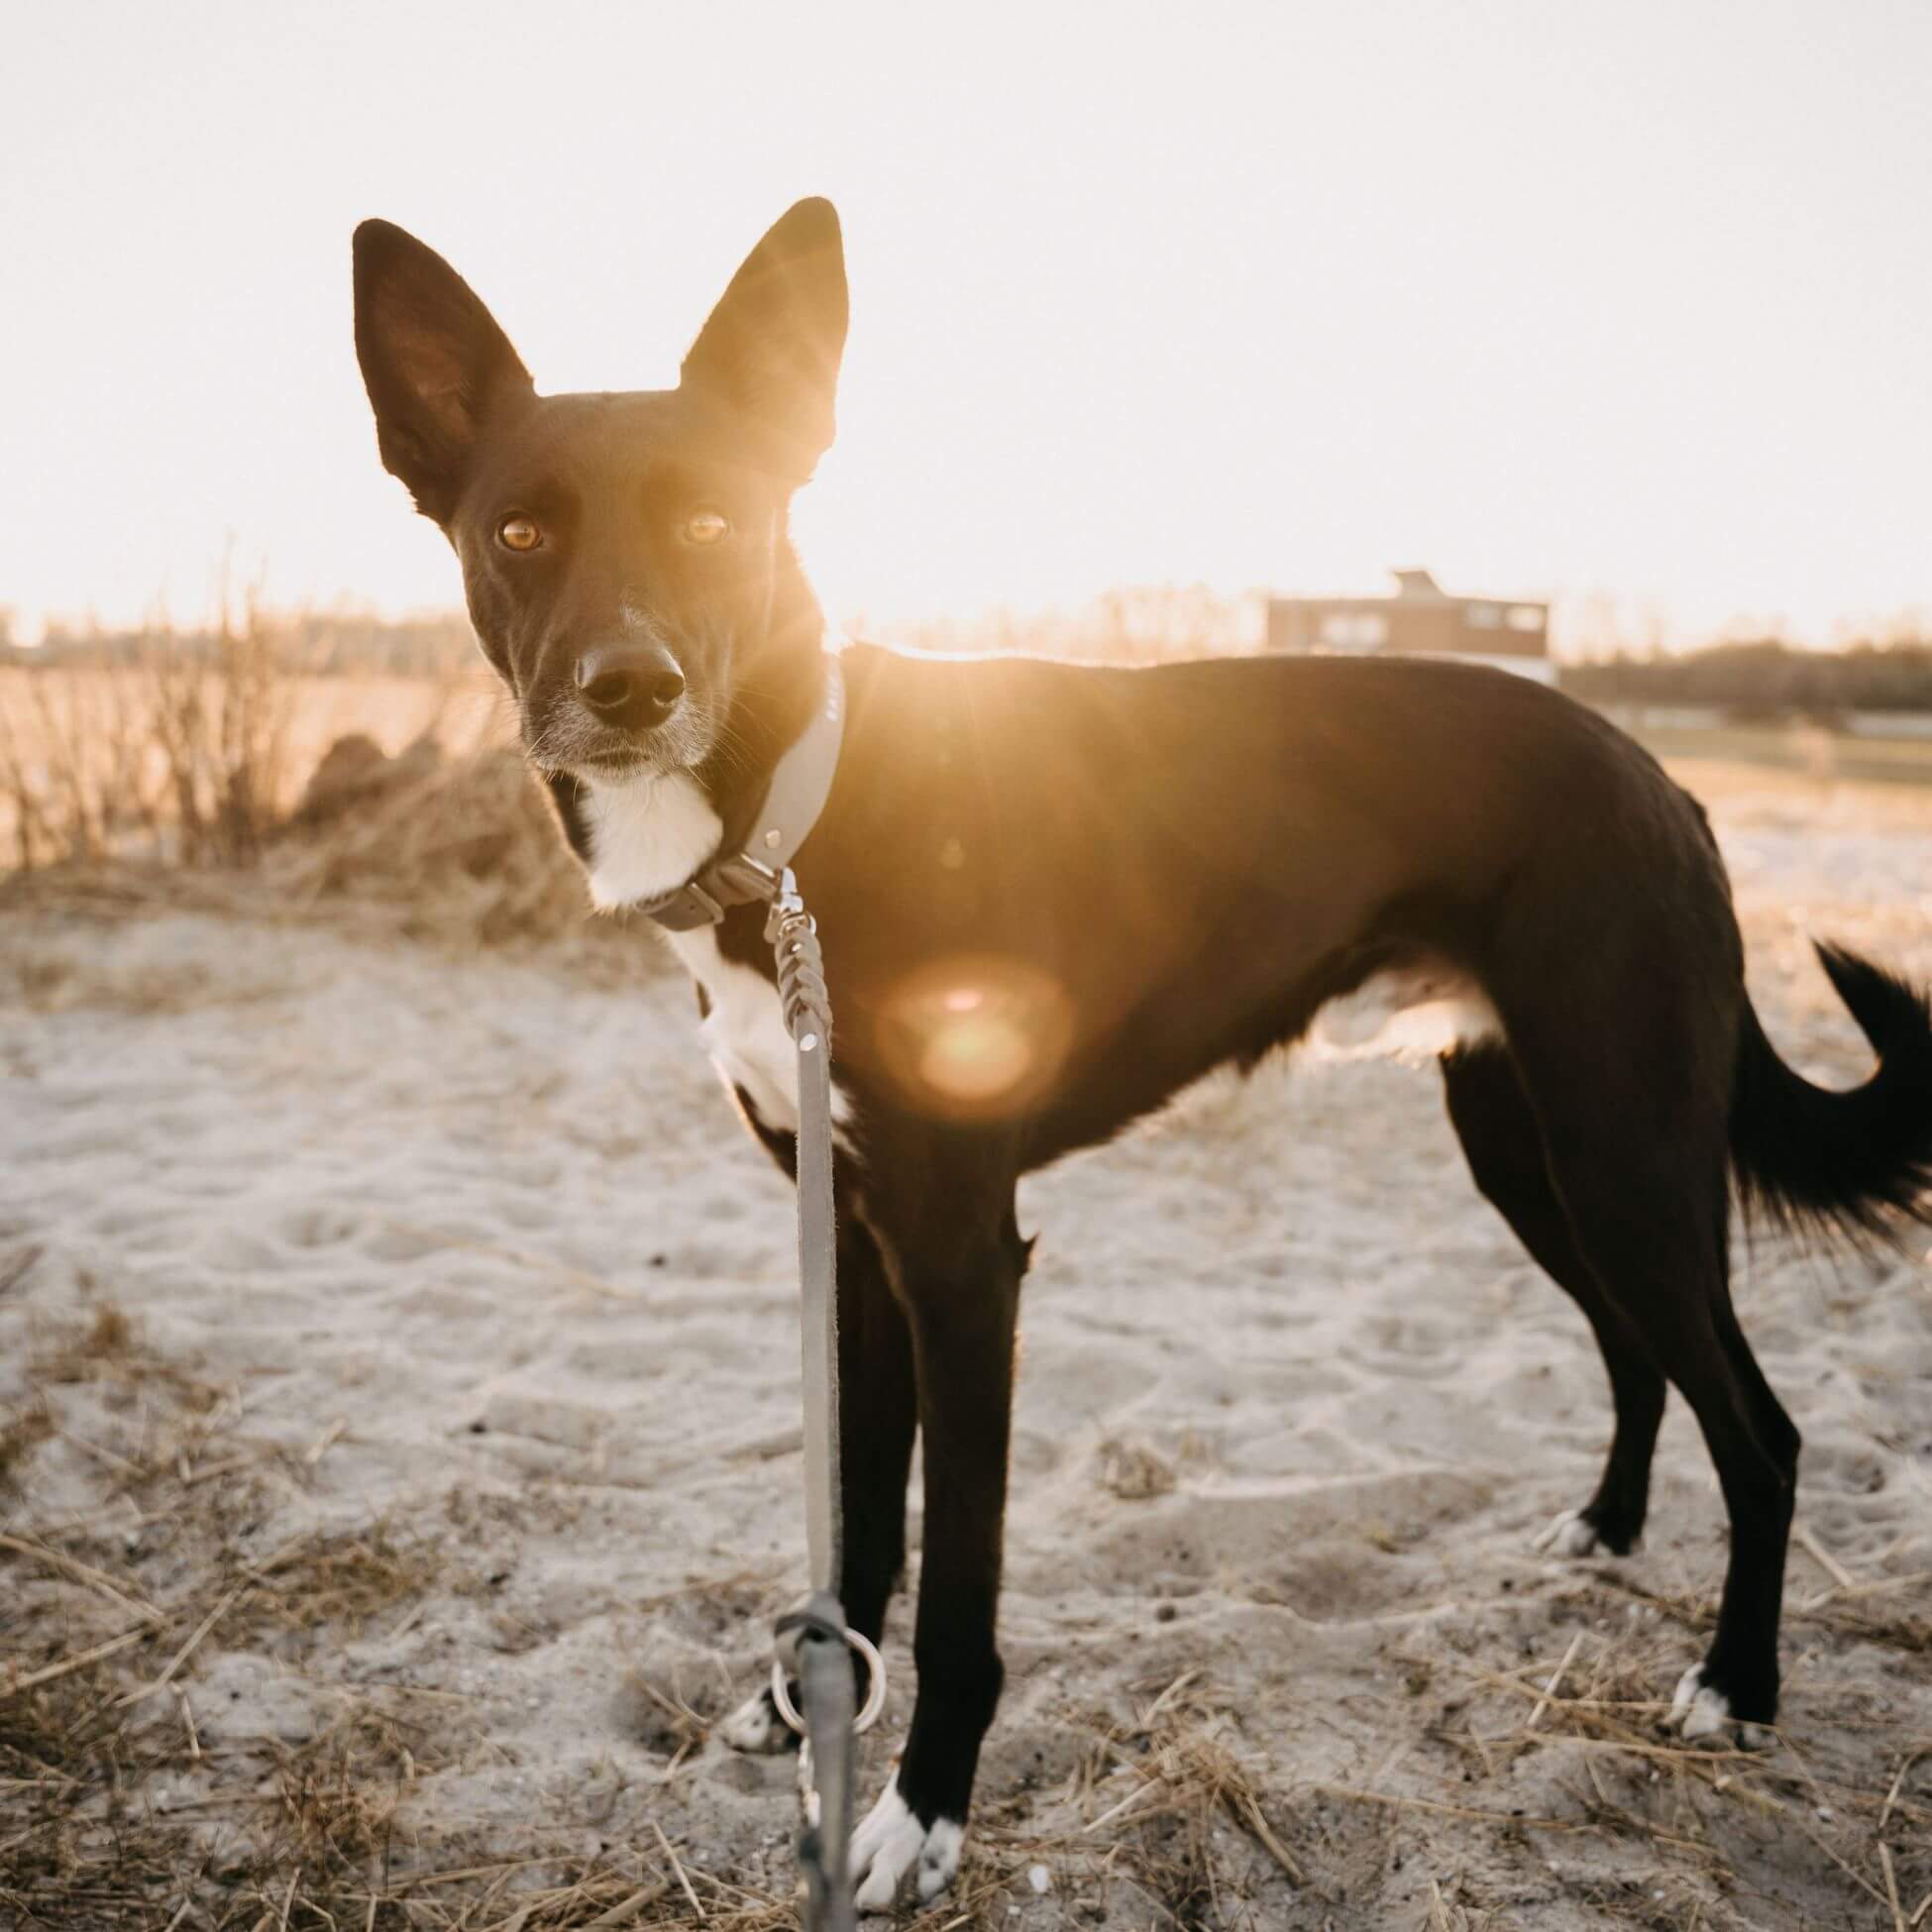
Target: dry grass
[158,776]
[181,751]
[1863,1818]
[1176,1804]
[19,1435]
[116,1812]
[1167,1814]
[463,848]
[122,1809]
[197,802]
[340,1581]
[1190,1780]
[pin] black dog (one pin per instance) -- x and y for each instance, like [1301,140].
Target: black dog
[1050,897]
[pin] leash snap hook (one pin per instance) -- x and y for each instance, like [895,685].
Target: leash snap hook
[787,911]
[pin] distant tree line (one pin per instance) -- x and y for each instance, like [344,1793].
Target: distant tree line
[307,641]
[1133,624]
[1765,678]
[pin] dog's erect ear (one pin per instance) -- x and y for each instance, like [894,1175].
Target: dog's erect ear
[436,366]
[772,346]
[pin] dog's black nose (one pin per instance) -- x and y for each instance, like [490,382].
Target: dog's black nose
[634,687]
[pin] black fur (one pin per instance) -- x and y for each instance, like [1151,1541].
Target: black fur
[1857,1163]
[1152,873]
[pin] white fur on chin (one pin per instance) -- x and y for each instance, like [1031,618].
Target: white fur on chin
[648,836]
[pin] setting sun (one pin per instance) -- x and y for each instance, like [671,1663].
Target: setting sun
[1624,313]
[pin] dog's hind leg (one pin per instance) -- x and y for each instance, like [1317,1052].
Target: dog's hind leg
[1637,1147]
[1503,1145]
[878,1418]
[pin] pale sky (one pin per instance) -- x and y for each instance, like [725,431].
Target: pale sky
[1630,299]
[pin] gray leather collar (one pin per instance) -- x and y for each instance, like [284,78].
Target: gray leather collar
[800,783]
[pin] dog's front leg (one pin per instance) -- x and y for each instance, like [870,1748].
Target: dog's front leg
[959,1284]
[876,1420]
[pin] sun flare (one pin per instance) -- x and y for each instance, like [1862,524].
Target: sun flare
[975,1036]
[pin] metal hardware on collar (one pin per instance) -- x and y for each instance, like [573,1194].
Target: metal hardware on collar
[800,783]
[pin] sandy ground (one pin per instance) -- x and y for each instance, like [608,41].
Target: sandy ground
[456,1387]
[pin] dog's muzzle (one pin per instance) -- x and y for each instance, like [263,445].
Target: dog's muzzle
[630,688]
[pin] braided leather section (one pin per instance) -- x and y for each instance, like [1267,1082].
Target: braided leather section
[801,992]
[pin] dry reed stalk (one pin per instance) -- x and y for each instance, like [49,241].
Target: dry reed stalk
[1823,1558]
[18,1265]
[222,712]
[1555,1679]
[20,793]
[1189,1777]
[144,1692]
[186,739]
[83,1574]
[97,1654]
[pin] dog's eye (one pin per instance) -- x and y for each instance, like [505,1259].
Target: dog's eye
[519,533]
[706,526]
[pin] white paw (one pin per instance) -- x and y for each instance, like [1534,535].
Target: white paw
[756,1728]
[1701,1710]
[1572,1533]
[890,1840]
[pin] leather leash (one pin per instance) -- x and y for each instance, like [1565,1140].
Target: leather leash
[813,1641]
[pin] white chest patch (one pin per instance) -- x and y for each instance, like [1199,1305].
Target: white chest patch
[648,836]
[744,1032]
[1411,1012]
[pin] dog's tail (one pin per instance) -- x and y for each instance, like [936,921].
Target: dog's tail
[1855,1164]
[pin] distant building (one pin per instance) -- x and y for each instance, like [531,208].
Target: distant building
[1420,621]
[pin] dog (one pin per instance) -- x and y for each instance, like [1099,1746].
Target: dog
[1052,896]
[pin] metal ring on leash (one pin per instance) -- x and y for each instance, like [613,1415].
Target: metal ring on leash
[875,1696]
